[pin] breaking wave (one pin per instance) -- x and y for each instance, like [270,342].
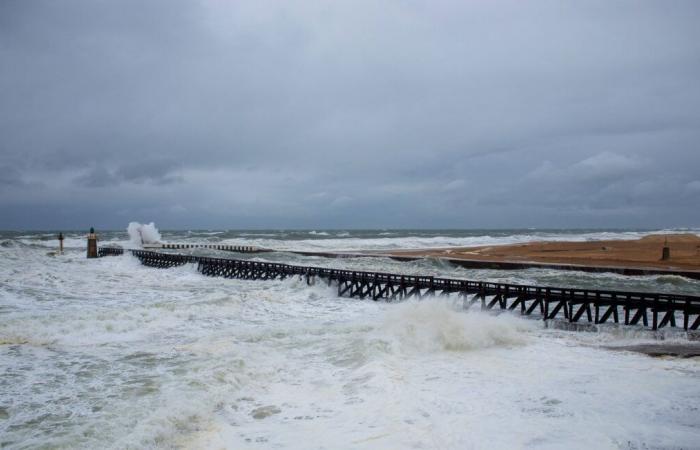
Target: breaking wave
[140,234]
[438,325]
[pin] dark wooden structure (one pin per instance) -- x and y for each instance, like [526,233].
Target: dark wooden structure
[229,248]
[110,251]
[655,310]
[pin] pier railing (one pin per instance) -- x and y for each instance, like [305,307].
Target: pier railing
[573,304]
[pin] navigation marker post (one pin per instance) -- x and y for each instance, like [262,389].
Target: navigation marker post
[92,244]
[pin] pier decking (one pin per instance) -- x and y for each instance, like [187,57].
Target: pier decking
[655,310]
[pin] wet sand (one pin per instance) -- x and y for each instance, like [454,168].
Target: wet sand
[678,350]
[642,253]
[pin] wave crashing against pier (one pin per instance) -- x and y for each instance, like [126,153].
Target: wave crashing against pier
[596,306]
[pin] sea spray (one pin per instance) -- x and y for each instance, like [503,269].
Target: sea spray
[441,325]
[143,233]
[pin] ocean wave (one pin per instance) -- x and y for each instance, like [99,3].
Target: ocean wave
[416,240]
[440,325]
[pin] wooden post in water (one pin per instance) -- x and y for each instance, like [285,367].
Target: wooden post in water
[666,252]
[92,244]
[60,243]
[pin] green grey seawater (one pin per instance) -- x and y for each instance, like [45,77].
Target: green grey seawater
[110,354]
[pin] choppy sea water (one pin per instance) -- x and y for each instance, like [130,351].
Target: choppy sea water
[110,354]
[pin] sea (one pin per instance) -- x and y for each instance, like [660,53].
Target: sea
[107,353]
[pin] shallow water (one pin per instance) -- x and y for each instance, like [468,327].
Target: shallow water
[108,353]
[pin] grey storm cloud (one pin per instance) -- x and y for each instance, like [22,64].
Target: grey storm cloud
[349,114]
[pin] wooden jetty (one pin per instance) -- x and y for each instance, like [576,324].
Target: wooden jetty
[572,304]
[224,247]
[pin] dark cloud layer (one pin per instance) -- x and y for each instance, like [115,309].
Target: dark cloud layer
[349,114]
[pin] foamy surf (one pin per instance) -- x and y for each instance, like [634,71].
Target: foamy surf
[107,353]
[442,325]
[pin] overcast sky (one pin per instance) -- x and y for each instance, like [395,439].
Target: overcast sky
[312,114]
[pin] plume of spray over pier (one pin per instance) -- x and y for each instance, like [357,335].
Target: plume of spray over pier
[140,234]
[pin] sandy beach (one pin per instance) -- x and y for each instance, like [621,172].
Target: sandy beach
[641,253]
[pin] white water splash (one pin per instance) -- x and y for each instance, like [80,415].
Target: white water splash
[440,325]
[143,233]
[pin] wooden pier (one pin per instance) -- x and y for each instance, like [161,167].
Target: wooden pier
[654,310]
[223,247]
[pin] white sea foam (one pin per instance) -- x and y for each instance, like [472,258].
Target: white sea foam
[439,324]
[324,241]
[108,353]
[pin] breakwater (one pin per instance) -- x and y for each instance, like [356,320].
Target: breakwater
[654,310]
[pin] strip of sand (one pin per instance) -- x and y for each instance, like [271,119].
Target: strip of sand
[641,253]
[678,350]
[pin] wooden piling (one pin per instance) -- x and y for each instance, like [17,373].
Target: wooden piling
[665,253]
